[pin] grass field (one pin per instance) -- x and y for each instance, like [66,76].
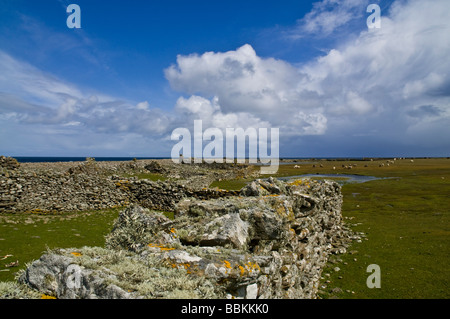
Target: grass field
[407,223]
[27,236]
[406,220]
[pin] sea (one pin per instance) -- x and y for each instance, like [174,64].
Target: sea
[41,159]
[56,159]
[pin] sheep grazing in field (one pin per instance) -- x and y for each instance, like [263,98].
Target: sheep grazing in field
[334,168]
[296,166]
[412,161]
[382,165]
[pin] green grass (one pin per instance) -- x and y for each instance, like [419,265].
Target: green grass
[407,224]
[27,236]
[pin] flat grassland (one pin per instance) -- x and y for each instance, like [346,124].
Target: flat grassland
[25,237]
[407,223]
[406,220]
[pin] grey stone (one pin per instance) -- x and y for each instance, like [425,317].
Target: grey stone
[270,240]
[252,291]
[224,230]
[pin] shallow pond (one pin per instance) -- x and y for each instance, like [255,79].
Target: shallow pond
[339,178]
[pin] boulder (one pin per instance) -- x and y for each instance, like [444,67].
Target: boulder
[9,163]
[229,229]
[155,167]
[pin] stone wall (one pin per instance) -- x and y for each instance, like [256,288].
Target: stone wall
[269,241]
[164,196]
[90,185]
[55,191]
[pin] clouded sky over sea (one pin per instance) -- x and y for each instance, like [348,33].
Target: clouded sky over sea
[136,70]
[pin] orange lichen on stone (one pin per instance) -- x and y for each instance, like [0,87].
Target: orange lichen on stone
[161,247]
[252,266]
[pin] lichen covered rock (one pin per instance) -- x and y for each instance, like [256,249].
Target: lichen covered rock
[270,241]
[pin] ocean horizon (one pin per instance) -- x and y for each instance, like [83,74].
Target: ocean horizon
[56,159]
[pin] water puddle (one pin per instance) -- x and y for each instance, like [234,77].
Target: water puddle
[341,179]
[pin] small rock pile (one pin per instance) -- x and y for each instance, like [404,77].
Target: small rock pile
[271,240]
[8,163]
[155,167]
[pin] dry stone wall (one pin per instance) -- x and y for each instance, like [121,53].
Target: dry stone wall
[164,196]
[269,241]
[90,185]
[55,191]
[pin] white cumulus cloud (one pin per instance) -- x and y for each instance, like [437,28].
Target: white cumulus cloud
[246,89]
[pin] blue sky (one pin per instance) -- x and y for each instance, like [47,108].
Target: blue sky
[136,70]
